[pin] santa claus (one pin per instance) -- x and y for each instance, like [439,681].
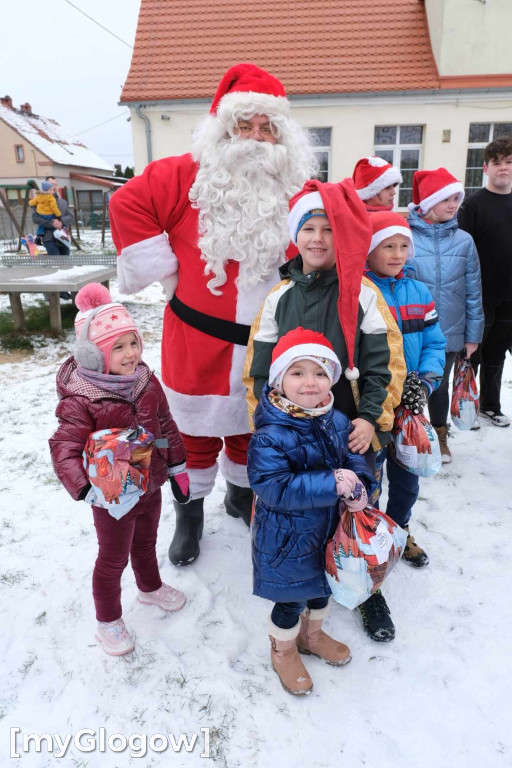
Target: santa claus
[212,227]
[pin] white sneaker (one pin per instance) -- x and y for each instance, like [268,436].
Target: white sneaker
[114,637]
[167,598]
[496,417]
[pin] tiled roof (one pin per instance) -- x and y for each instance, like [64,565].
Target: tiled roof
[47,136]
[183,47]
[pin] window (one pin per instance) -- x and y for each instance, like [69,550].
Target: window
[480,134]
[20,153]
[401,146]
[322,143]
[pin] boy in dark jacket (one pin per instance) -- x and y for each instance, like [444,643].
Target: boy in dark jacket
[106,385]
[299,465]
[414,310]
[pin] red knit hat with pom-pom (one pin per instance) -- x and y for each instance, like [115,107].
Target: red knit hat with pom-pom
[104,320]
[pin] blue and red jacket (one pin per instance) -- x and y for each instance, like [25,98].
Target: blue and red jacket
[413,308]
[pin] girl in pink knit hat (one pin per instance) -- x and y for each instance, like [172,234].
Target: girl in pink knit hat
[106,392]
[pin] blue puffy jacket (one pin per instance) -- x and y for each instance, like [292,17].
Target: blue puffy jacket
[413,308]
[447,262]
[290,464]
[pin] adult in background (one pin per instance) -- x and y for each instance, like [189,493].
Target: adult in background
[53,245]
[212,226]
[487,216]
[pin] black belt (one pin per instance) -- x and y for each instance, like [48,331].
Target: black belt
[226,330]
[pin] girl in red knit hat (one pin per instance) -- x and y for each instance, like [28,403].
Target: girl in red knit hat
[299,465]
[106,388]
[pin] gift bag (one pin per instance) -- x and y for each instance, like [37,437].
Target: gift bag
[117,464]
[414,444]
[465,404]
[365,548]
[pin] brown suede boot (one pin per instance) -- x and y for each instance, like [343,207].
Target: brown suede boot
[313,640]
[413,553]
[286,660]
[442,434]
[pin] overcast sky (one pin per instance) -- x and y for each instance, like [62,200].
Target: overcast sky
[70,69]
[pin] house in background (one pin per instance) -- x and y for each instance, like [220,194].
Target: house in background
[422,83]
[33,147]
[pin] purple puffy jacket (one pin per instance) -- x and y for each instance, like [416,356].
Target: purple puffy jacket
[84,408]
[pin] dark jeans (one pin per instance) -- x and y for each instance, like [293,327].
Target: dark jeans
[490,355]
[55,247]
[133,535]
[403,488]
[439,401]
[286,615]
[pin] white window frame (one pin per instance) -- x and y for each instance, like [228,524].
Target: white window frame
[397,149]
[480,145]
[323,148]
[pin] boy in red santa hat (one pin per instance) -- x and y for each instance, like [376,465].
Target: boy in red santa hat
[376,181]
[211,225]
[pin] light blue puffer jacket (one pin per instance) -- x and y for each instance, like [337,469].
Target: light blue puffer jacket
[446,260]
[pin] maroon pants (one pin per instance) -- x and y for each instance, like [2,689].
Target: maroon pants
[133,535]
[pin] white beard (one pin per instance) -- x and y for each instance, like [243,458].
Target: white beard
[242,190]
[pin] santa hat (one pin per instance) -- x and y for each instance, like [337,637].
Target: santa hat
[386,225]
[301,344]
[249,85]
[372,175]
[352,235]
[98,325]
[432,187]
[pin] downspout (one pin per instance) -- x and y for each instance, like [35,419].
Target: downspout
[148,131]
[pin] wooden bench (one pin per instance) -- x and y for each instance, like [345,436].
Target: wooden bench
[51,279]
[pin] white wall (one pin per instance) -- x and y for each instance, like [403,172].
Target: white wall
[352,126]
[471,37]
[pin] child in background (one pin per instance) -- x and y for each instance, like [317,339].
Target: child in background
[414,310]
[376,181]
[323,289]
[299,465]
[447,262]
[106,385]
[45,204]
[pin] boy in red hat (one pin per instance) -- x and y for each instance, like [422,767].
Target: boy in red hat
[447,262]
[299,465]
[323,289]
[376,181]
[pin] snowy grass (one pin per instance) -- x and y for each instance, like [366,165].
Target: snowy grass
[436,697]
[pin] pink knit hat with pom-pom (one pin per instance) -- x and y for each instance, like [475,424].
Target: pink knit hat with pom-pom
[100,321]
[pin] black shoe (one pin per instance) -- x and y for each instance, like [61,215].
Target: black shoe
[376,618]
[238,502]
[184,547]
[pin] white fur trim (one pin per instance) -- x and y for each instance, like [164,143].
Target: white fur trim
[209,415]
[428,203]
[278,633]
[233,473]
[304,204]
[391,176]
[316,614]
[301,351]
[264,103]
[383,234]
[169,285]
[202,481]
[144,263]
[377,162]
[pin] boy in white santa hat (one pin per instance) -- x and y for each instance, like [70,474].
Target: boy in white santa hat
[446,260]
[211,225]
[376,181]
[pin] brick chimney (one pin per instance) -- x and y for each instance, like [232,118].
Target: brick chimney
[6,101]
[26,108]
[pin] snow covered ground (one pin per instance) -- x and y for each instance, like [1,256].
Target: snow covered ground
[436,697]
